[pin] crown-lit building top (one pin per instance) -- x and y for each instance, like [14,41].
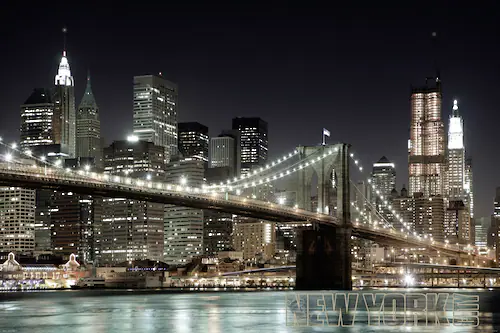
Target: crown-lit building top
[456,129]
[63,77]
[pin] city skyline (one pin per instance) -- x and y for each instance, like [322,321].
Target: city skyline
[370,138]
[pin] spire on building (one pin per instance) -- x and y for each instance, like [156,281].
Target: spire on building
[63,77]
[88,100]
[455,109]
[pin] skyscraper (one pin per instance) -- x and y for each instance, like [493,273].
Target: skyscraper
[64,118]
[183,225]
[17,219]
[36,119]
[427,141]
[193,141]
[155,111]
[88,127]
[129,229]
[456,156]
[253,142]
[225,152]
[469,186]
[384,176]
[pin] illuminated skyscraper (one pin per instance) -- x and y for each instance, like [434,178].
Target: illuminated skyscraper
[456,156]
[64,118]
[253,142]
[427,141]
[155,111]
[225,152]
[36,119]
[193,141]
[88,127]
[384,176]
[469,187]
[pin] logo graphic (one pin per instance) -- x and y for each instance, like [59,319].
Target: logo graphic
[382,309]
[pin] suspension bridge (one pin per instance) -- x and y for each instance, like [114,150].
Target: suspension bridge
[323,253]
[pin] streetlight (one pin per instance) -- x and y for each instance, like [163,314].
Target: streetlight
[183,181]
[87,167]
[148,177]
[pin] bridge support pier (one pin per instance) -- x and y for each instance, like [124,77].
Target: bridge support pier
[324,253]
[324,259]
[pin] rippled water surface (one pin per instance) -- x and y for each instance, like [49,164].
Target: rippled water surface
[189,312]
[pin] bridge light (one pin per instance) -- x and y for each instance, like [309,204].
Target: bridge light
[148,177]
[183,180]
[87,167]
[27,152]
[43,158]
[58,163]
[8,157]
[281,200]
[13,145]
[360,168]
[238,192]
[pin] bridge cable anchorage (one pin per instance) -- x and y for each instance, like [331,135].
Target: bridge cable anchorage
[390,208]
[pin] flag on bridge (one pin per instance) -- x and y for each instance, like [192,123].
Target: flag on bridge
[325,133]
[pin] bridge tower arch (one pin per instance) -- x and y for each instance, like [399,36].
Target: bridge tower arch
[323,253]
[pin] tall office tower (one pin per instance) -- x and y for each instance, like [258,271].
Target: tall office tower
[129,229]
[42,221]
[183,225]
[64,118]
[72,219]
[253,142]
[481,232]
[384,176]
[255,238]
[469,187]
[457,226]
[427,141]
[17,219]
[88,127]
[155,111]
[36,119]
[193,141]
[425,216]
[225,152]
[456,155]
[217,231]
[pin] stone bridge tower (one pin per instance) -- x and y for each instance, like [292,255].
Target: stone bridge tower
[323,253]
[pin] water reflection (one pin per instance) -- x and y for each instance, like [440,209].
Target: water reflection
[138,312]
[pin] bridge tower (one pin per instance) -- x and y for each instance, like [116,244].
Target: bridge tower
[323,252]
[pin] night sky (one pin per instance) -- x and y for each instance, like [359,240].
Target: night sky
[348,69]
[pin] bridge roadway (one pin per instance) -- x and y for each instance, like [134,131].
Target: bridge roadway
[106,185]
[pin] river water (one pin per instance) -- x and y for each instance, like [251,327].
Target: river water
[117,311]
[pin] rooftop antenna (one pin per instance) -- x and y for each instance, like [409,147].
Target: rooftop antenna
[434,56]
[65,31]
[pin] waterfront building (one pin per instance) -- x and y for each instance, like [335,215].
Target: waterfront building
[183,228]
[17,219]
[255,238]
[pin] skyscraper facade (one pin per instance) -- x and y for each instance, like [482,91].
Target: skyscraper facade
[456,156]
[427,141]
[225,152]
[155,111]
[36,119]
[253,142]
[183,225]
[127,229]
[384,176]
[193,141]
[88,127]
[469,186]
[64,117]
[17,219]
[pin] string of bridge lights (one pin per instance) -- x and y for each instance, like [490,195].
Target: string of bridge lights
[386,204]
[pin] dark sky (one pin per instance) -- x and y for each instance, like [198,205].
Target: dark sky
[348,69]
